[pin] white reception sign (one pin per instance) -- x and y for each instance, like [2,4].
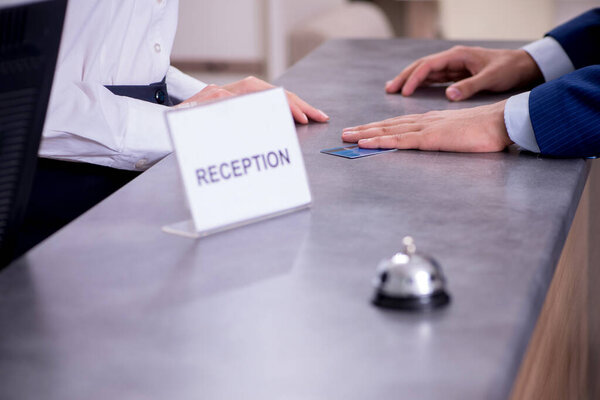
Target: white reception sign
[239,160]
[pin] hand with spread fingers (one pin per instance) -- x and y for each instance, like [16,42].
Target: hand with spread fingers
[473,69]
[479,129]
[301,110]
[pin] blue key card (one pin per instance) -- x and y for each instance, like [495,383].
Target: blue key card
[353,151]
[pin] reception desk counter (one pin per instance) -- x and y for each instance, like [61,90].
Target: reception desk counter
[111,307]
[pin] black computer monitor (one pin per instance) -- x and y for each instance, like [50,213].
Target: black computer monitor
[30,32]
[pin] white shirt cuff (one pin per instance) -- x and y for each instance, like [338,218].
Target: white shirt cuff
[550,57]
[518,122]
[182,86]
[88,123]
[146,140]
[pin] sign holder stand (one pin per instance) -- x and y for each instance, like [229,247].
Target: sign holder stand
[188,229]
[183,228]
[261,161]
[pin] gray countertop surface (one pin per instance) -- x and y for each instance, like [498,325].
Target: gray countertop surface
[111,307]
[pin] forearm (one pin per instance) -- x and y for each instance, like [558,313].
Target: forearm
[565,114]
[87,123]
[579,38]
[553,62]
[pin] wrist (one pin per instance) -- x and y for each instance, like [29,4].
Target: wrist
[499,125]
[528,70]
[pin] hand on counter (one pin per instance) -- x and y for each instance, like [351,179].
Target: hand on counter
[478,129]
[472,68]
[211,92]
[301,110]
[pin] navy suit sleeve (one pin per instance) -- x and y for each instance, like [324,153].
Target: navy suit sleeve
[565,114]
[580,38]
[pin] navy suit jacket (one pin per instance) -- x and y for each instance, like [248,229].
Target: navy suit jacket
[565,112]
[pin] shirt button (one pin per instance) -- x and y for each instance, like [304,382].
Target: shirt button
[159,96]
[141,164]
[157,47]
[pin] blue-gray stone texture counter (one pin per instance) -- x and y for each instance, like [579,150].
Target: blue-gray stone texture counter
[112,308]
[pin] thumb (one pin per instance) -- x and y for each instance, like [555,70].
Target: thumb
[466,88]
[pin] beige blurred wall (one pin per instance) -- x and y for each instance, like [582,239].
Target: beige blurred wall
[567,9]
[506,19]
[496,19]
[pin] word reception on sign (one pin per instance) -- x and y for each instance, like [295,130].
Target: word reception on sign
[239,160]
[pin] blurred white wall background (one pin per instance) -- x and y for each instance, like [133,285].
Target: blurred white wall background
[282,17]
[255,36]
[220,30]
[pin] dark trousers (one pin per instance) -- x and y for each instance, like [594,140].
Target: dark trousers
[61,192]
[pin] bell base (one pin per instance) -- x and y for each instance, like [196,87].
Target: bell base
[413,303]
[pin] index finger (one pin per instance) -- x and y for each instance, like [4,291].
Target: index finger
[399,81]
[420,74]
[432,64]
[396,84]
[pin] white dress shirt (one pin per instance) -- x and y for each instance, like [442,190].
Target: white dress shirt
[554,62]
[113,42]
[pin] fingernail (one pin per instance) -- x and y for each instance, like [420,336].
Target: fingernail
[388,83]
[453,93]
[348,133]
[352,128]
[364,142]
[323,114]
[304,119]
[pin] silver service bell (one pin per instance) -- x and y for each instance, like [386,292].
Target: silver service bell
[410,281]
